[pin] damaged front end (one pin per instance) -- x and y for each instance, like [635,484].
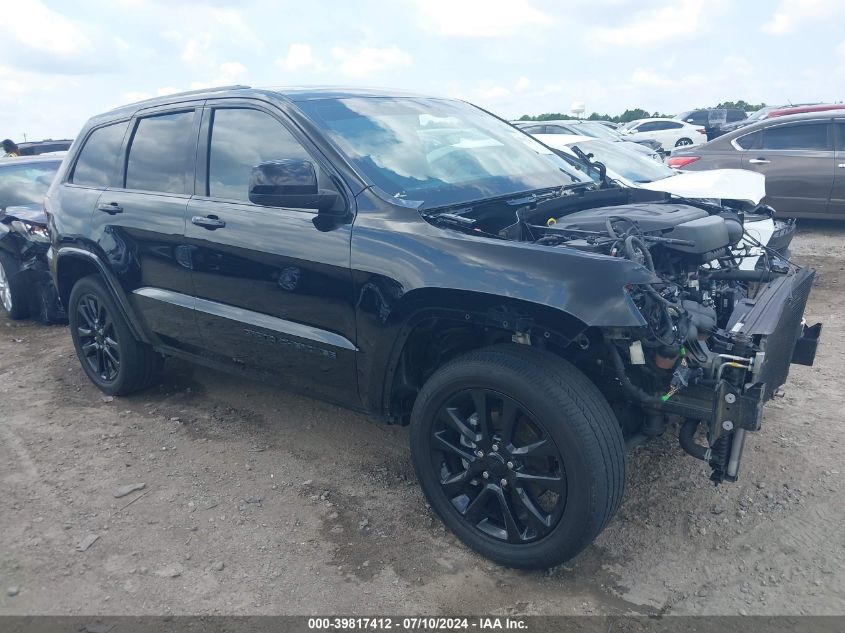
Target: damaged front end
[718,340]
[24,236]
[720,315]
[720,377]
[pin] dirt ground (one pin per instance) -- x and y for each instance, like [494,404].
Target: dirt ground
[261,502]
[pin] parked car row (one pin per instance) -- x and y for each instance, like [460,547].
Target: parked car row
[801,155]
[670,133]
[595,129]
[770,112]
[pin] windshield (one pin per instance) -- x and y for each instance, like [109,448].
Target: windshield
[597,130]
[25,183]
[437,152]
[623,162]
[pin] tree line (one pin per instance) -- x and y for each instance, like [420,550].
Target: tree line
[632,114]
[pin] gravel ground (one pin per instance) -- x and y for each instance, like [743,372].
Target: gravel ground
[256,501]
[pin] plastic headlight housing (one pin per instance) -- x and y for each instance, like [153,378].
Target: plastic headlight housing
[35,232]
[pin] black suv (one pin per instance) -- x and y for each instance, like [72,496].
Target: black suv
[422,260]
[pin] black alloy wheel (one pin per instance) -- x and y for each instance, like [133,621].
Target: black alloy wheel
[498,466]
[519,454]
[110,353]
[97,338]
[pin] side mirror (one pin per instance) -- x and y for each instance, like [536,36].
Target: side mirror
[288,183]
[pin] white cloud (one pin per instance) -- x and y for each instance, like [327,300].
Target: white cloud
[479,18]
[230,73]
[491,93]
[135,95]
[648,27]
[791,14]
[522,84]
[196,48]
[236,27]
[300,57]
[649,77]
[30,22]
[739,65]
[369,60]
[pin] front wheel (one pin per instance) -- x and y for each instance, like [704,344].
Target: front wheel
[115,361]
[681,142]
[519,454]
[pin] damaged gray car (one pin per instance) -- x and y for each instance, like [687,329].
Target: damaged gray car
[26,289]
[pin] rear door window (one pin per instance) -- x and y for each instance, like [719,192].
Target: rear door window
[807,136]
[98,158]
[535,129]
[160,153]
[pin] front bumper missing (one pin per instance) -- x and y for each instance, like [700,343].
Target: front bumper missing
[772,325]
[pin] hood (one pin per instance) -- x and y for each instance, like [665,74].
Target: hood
[640,148]
[28,212]
[728,184]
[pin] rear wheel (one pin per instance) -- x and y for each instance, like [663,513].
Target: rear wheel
[519,454]
[683,141]
[110,354]
[13,297]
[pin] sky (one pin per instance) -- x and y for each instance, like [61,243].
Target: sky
[64,61]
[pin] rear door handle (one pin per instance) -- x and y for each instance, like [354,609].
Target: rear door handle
[759,161]
[841,165]
[111,208]
[209,222]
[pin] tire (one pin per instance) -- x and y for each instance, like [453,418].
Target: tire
[13,297]
[682,142]
[565,433]
[115,361]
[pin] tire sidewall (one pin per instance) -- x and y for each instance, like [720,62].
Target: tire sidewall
[569,535]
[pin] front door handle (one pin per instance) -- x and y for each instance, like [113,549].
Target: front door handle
[111,208]
[759,161]
[841,165]
[209,222]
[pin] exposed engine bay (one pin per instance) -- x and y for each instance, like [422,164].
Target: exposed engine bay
[716,339]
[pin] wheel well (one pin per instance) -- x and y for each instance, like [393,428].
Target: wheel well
[436,340]
[70,270]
